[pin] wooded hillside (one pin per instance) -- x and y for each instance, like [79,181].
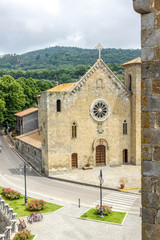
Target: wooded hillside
[65,57]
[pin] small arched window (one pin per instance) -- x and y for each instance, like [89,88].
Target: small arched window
[130,83]
[74,130]
[58,105]
[124,127]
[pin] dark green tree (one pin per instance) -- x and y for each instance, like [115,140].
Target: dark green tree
[12,98]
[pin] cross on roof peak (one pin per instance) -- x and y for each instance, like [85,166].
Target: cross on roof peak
[99,48]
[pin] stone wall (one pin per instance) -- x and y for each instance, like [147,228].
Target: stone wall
[4,222]
[132,79]
[8,219]
[150,42]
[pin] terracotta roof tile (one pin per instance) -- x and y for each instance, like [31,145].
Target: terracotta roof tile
[62,87]
[32,138]
[26,112]
[136,60]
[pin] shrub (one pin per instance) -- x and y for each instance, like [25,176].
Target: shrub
[10,193]
[35,205]
[106,209]
[23,235]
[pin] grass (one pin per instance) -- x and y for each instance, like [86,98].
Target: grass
[113,217]
[31,237]
[20,209]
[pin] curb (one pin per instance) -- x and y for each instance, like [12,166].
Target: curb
[89,185]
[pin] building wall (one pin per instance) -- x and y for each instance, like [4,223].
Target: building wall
[150,42]
[132,72]
[56,127]
[32,154]
[29,123]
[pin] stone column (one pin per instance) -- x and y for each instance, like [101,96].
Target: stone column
[150,43]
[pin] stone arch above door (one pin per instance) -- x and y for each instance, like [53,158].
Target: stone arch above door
[100,141]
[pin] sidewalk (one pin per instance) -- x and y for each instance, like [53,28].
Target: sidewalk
[111,176]
[65,224]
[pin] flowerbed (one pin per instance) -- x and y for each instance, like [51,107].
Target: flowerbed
[106,209]
[113,217]
[11,194]
[23,235]
[35,205]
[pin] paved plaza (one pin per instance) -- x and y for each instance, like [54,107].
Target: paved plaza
[111,176]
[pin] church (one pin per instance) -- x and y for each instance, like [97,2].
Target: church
[95,120]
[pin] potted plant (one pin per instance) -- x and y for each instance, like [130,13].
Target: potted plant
[89,159]
[122,182]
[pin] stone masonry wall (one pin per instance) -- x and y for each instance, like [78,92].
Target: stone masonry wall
[150,42]
[4,222]
[134,70]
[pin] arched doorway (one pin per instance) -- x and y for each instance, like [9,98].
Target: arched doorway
[100,155]
[74,160]
[125,156]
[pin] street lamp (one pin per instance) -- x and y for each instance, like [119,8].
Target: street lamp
[23,167]
[101,182]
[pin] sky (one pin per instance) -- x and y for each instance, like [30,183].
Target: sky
[28,25]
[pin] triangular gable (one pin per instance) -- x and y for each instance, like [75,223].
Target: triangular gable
[100,64]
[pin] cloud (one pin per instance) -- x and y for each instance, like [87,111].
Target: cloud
[27,25]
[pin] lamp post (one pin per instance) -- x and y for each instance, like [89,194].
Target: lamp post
[23,167]
[101,182]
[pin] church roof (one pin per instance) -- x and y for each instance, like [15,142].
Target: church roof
[26,112]
[134,61]
[62,87]
[32,138]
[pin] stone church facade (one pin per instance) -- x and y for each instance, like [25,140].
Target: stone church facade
[96,118]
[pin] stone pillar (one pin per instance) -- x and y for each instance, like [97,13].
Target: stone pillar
[2,237]
[150,89]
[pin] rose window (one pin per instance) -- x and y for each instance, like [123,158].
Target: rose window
[100,110]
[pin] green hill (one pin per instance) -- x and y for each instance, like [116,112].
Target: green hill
[65,57]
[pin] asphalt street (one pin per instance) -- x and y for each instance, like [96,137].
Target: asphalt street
[37,184]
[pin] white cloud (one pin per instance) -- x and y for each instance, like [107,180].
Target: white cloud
[32,24]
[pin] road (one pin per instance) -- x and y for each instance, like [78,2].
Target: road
[50,189]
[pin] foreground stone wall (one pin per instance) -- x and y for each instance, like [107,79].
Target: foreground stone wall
[150,41]
[4,222]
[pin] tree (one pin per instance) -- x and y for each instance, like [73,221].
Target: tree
[2,110]
[12,98]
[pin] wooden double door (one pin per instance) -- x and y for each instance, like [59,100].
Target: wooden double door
[100,155]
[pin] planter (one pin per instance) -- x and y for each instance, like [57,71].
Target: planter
[122,186]
[88,165]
